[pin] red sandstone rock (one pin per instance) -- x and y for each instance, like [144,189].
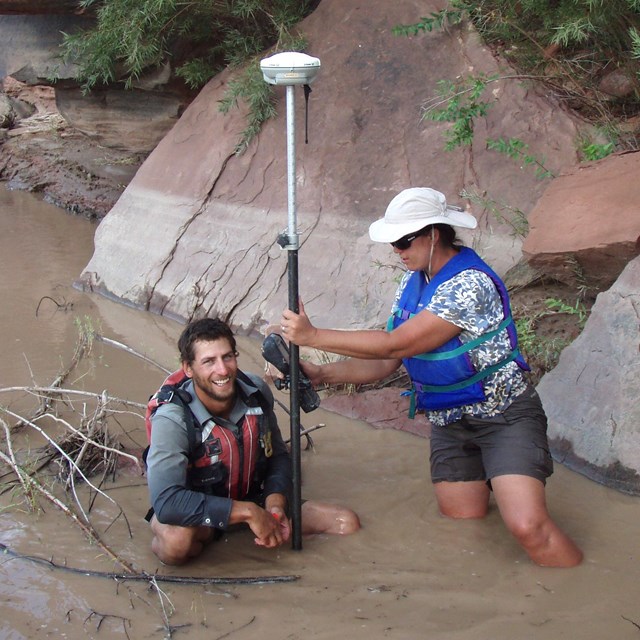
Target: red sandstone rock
[586,226]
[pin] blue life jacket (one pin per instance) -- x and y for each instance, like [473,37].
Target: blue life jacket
[446,377]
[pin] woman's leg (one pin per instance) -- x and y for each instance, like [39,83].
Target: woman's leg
[522,504]
[457,472]
[462,499]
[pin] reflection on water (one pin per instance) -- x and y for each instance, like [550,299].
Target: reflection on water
[43,250]
[40,250]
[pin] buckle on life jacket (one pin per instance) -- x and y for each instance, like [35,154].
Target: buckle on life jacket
[412,402]
[168,393]
[267,444]
[164,396]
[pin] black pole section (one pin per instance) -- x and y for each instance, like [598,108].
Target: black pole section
[294,370]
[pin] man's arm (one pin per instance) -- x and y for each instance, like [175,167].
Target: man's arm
[173,502]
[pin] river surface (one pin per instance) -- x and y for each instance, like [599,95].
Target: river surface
[407,574]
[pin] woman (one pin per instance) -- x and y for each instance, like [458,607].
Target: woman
[451,326]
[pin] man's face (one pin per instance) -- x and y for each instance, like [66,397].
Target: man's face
[213,369]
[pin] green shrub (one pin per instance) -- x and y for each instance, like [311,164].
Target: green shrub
[566,44]
[199,37]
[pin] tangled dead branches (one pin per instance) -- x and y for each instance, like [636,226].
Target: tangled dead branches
[80,446]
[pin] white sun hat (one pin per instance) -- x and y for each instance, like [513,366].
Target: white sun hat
[415,208]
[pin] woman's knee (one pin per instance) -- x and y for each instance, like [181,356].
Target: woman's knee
[530,530]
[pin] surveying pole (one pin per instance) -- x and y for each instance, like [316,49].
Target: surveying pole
[290,69]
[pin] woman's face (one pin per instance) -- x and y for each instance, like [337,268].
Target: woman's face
[416,256]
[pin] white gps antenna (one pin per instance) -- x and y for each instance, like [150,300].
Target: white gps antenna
[290,68]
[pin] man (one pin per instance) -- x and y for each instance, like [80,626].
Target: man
[238,471]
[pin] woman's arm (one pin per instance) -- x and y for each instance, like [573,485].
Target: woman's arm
[424,332]
[351,371]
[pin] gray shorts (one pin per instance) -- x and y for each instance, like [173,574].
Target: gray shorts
[514,442]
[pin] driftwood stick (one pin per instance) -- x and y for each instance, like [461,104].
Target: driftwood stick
[64,306]
[85,438]
[12,458]
[88,440]
[304,432]
[147,577]
[124,347]
[103,616]
[98,418]
[86,528]
[78,354]
[64,454]
[37,390]
[121,513]
[635,624]
[73,490]
[244,626]
[162,596]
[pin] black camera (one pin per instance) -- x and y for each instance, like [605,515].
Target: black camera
[276,351]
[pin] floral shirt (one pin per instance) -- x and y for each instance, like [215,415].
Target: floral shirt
[471,301]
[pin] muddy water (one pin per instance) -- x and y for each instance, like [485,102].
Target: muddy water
[407,574]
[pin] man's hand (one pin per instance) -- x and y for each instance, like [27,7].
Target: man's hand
[275,504]
[261,522]
[283,523]
[268,529]
[270,526]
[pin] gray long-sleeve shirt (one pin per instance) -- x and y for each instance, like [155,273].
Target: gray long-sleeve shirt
[167,462]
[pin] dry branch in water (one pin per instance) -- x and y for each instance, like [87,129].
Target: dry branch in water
[147,577]
[86,527]
[85,448]
[124,347]
[95,447]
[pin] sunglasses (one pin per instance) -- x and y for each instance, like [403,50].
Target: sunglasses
[405,242]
